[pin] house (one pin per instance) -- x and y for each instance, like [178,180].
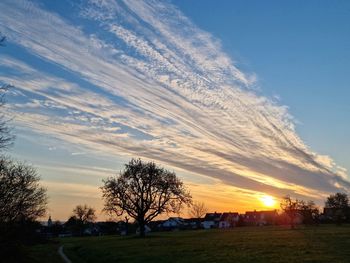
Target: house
[228,220]
[156,225]
[193,223]
[92,230]
[252,218]
[259,218]
[268,217]
[110,227]
[337,214]
[211,220]
[173,222]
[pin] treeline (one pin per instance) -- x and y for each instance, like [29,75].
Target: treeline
[293,212]
[336,210]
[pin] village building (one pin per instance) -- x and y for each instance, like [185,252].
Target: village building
[260,218]
[228,220]
[173,223]
[211,220]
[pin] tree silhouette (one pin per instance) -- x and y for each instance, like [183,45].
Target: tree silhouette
[309,211]
[339,204]
[198,210]
[144,190]
[21,196]
[22,202]
[6,138]
[291,208]
[82,216]
[338,201]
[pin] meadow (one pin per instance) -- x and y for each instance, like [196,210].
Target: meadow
[247,244]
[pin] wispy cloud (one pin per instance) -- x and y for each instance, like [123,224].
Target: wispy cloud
[149,83]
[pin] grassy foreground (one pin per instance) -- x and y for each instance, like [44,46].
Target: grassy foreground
[247,244]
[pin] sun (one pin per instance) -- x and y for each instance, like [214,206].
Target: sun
[268,200]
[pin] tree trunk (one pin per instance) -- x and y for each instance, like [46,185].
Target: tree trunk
[142,229]
[126,226]
[292,223]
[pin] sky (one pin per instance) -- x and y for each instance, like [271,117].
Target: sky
[242,99]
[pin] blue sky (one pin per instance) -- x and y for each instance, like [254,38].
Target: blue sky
[300,52]
[242,99]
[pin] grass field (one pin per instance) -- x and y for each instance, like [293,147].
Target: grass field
[247,244]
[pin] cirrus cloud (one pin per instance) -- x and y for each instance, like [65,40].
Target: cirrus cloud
[148,82]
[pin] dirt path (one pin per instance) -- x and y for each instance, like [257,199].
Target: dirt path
[63,256]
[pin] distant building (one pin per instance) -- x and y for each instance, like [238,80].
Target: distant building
[173,223]
[92,230]
[211,220]
[156,225]
[259,218]
[193,223]
[49,221]
[228,220]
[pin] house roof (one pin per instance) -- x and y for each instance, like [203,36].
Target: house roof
[228,216]
[155,223]
[212,216]
[268,212]
[189,220]
[177,219]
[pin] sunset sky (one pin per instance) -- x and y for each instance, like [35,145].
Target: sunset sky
[243,99]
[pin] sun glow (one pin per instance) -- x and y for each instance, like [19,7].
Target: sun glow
[268,200]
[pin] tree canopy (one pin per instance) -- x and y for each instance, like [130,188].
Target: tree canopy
[307,211]
[291,208]
[338,201]
[6,138]
[84,214]
[21,196]
[143,190]
[198,210]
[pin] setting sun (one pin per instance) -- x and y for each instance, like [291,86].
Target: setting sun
[268,200]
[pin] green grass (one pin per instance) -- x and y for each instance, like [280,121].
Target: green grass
[41,253]
[248,244]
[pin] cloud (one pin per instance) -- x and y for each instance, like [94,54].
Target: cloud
[147,82]
[78,153]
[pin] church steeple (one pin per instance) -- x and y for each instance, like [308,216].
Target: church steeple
[49,221]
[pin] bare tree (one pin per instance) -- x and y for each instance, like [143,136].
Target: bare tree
[6,138]
[291,208]
[144,190]
[21,196]
[198,210]
[84,214]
